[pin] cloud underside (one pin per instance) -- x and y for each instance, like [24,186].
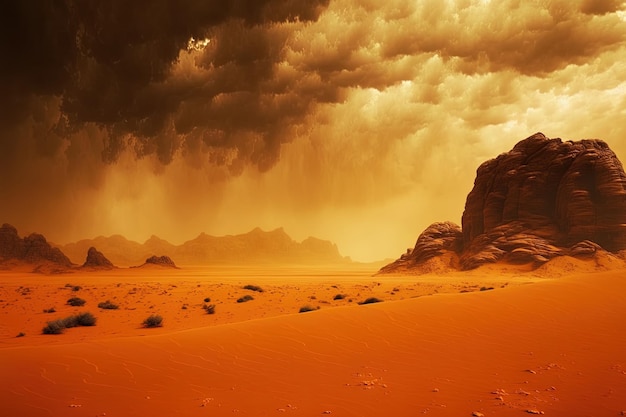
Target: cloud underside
[296,107]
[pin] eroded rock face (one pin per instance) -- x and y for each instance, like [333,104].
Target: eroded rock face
[97,260]
[11,245]
[436,240]
[542,199]
[33,249]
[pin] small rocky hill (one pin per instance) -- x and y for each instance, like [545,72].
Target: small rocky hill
[159,261]
[543,199]
[97,260]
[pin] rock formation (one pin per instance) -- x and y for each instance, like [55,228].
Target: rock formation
[161,261]
[542,199]
[97,260]
[32,249]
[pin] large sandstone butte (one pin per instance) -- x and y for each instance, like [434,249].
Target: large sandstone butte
[544,198]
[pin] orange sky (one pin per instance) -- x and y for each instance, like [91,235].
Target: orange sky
[360,122]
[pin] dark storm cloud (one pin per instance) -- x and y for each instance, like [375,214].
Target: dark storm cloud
[110,63]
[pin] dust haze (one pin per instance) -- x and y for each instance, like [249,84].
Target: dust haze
[357,122]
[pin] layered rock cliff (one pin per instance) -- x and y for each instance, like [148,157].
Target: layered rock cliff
[542,199]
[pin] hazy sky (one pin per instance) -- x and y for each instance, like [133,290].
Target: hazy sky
[357,121]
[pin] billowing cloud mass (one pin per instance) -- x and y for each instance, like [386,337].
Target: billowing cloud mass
[356,121]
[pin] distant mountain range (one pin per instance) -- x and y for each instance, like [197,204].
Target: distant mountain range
[254,247]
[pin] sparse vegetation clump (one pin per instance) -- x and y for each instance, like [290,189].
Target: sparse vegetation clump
[21,334]
[76,302]
[245,298]
[54,327]
[59,325]
[49,310]
[339,297]
[253,288]
[307,308]
[371,300]
[207,300]
[85,319]
[153,321]
[210,308]
[108,305]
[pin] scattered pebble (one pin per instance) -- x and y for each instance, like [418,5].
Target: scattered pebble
[75,405]
[436,390]
[533,411]
[478,414]
[327,412]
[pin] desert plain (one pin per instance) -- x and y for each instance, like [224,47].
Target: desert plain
[496,341]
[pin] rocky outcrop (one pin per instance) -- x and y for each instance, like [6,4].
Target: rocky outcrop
[32,249]
[438,239]
[542,199]
[165,261]
[97,260]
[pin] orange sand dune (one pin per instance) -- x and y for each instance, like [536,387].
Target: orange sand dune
[556,347]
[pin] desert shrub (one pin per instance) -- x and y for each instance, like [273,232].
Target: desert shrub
[69,322]
[339,297]
[77,288]
[58,326]
[253,288]
[85,319]
[207,300]
[76,302]
[245,298]
[210,308]
[486,288]
[108,305]
[21,334]
[153,321]
[184,307]
[307,308]
[371,300]
[54,327]
[49,310]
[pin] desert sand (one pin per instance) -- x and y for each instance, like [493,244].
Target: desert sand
[551,341]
